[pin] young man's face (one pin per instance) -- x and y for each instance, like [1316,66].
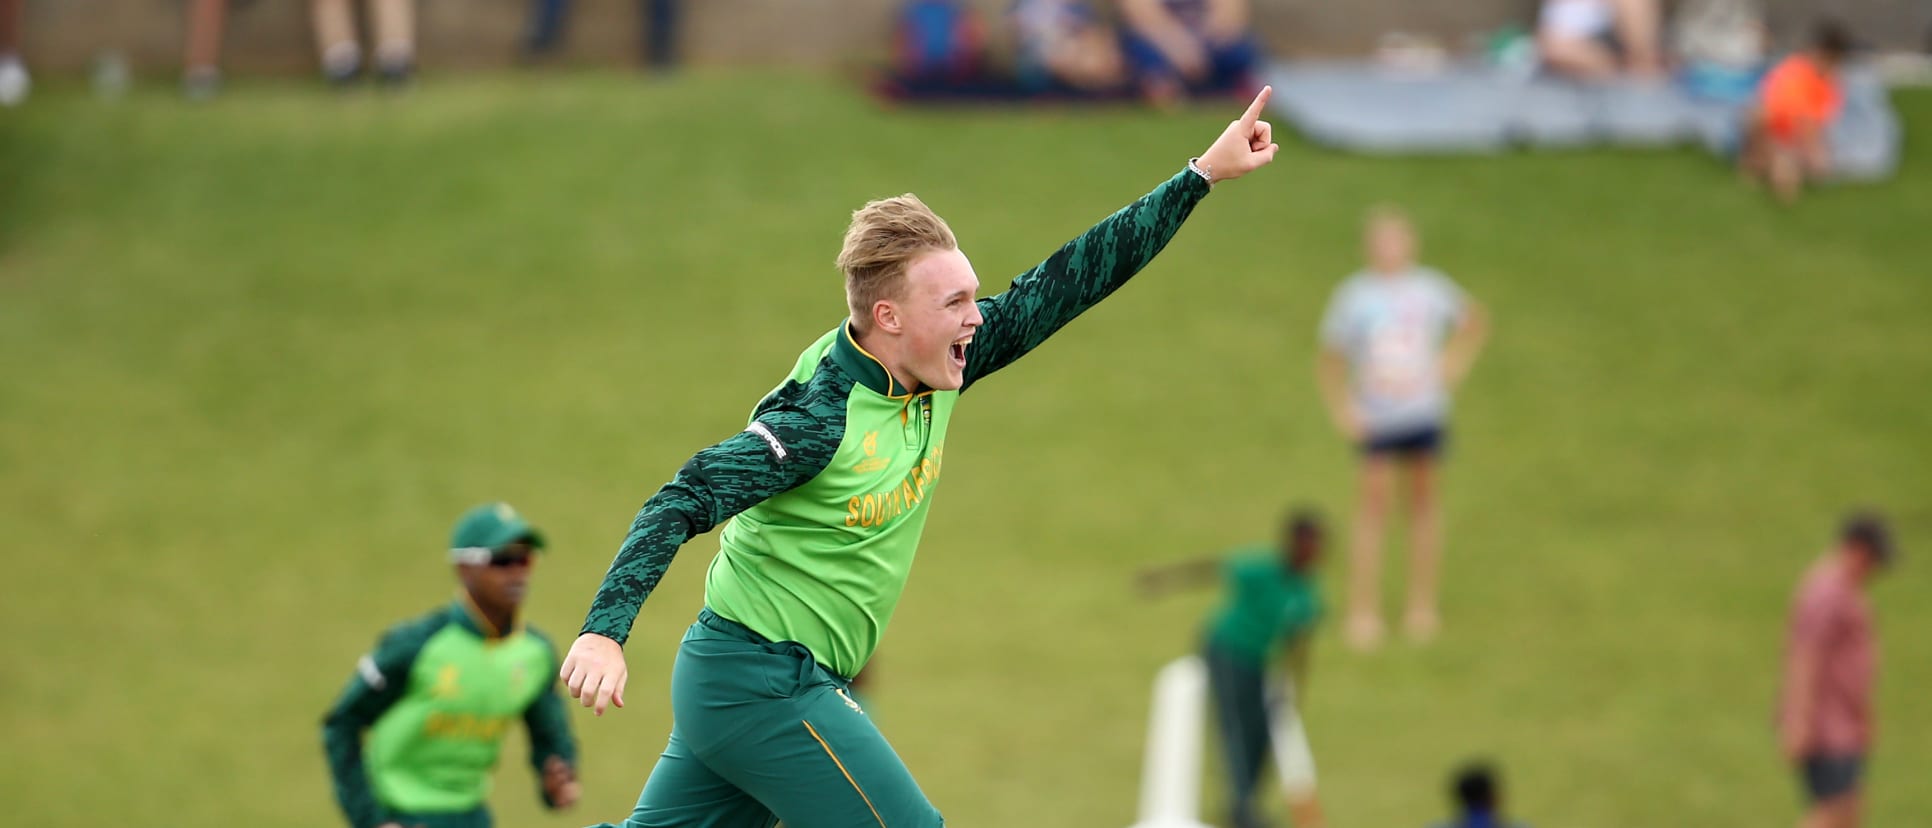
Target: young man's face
[505,580]
[937,318]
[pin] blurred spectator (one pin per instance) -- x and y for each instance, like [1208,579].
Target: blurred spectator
[1600,39]
[1785,143]
[14,81]
[1720,45]
[938,42]
[1178,48]
[1476,791]
[201,66]
[394,32]
[1063,44]
[1825,714]
[1270,605]
[1396,340]
[656,39]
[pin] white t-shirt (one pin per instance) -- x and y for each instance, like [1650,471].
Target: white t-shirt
[1392,327]
[1576,18]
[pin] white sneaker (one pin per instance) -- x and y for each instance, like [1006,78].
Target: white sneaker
[14,82]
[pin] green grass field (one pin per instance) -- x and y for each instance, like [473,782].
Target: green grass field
[258,354]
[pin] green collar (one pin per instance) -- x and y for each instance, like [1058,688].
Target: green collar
[867,368]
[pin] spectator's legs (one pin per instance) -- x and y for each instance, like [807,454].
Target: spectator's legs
[201,72]
[1159,81]
[1234,67]
[1576,57]
[1089,61]
[1840,811]
[1815,153]
[1786,172]
[335,40]
[395,37]
[1422,619]
[1638,34]
[1364,626]
[660,39]
[547,18]
[14,81]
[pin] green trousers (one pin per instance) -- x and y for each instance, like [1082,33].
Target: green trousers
[761,734]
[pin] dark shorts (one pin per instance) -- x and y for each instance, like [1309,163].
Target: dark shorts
[1423,441]
[1829,776]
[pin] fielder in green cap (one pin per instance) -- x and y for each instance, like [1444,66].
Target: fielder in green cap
[415,735]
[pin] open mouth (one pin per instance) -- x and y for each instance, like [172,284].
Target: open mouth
[959,351]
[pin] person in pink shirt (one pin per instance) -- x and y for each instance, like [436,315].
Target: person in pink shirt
[1831,661]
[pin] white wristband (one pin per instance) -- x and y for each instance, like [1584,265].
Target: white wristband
[1206,173]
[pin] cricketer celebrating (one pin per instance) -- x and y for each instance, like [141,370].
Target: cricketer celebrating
[827,491]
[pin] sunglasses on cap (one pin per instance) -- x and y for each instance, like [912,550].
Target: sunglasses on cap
[518,555]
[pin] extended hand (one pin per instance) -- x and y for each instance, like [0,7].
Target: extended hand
[1245,146]
[595,672]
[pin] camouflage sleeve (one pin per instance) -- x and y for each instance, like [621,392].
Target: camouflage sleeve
[380,680]
[781,450]
[1079,275]
[549,727]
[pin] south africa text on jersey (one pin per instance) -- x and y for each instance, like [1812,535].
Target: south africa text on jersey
[880,508]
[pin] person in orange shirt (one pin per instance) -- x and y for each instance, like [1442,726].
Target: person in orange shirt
[1786,144]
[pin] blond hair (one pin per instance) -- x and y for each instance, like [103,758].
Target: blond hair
[883,239]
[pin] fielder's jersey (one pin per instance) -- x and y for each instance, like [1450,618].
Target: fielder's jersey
[1264,604]
[827,489]
[419,727]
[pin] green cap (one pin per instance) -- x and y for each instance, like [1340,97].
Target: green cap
[489,527]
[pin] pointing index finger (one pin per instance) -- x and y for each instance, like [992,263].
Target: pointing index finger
[1260,103]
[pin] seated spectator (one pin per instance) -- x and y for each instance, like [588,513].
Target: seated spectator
[1598,40]
[1178,48]
[1064,45]
[14,81]
[1785,143]
[1719,46]
[394,32]
[657,36]
[1477,793]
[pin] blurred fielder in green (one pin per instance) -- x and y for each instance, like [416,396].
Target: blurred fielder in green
[1269,605]
[415,736]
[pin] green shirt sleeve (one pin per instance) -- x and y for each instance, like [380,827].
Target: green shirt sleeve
[549,725]
[380,680]
[784,448]
[1079,275]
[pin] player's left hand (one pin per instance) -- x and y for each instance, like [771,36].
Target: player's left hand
[560,785]
[1245,146]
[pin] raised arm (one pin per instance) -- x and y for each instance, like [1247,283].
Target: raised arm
[781,450]
[1090,268]
[1156,581]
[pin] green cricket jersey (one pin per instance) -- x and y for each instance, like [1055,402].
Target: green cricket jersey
[827,488]
[1265,602]
[420,725]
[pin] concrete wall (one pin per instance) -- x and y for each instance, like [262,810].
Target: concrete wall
[274,35]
